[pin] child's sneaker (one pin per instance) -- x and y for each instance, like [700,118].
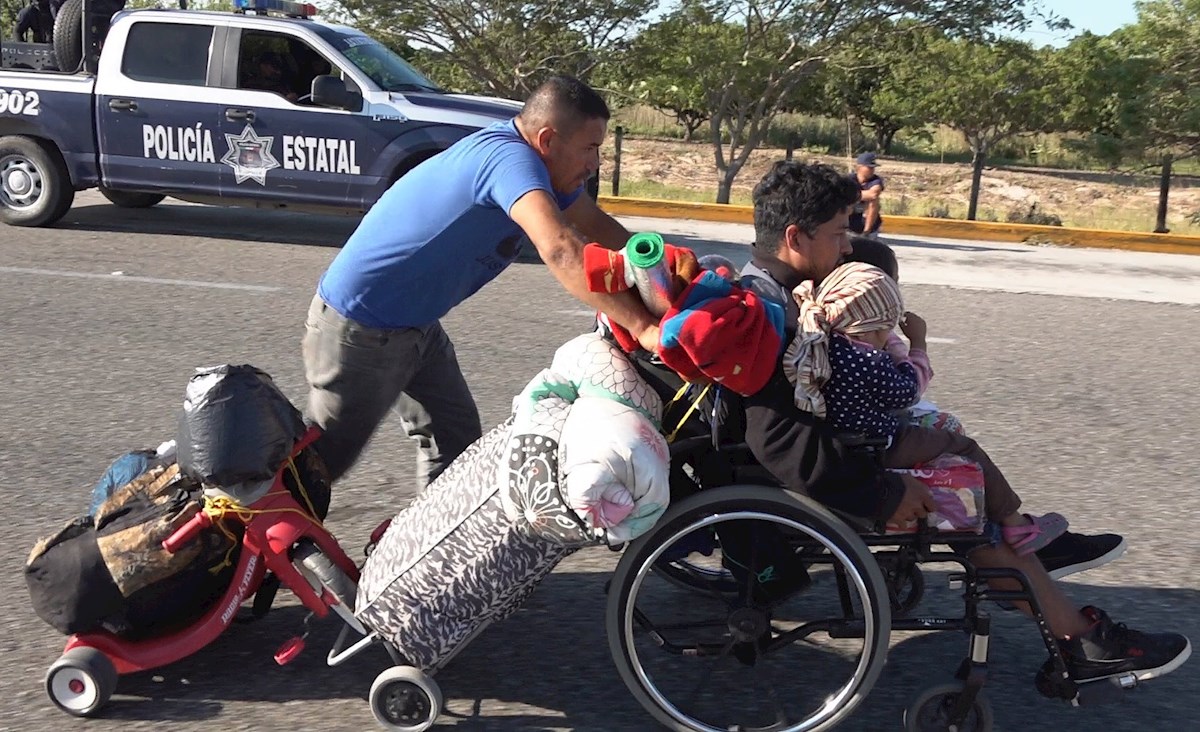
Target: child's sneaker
[1108,649]
[1071,553]
[1037,534]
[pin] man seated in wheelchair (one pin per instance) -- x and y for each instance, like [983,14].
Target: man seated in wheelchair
[790,425]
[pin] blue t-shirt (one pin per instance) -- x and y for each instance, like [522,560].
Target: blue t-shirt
[440,232]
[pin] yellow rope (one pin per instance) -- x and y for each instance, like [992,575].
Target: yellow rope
[686,415]
[218,507]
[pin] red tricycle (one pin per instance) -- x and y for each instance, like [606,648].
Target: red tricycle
[280,537]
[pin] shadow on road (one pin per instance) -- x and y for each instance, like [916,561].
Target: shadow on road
[549,668]
[235,224]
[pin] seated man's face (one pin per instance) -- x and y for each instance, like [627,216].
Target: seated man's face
[268,70]
[824,250]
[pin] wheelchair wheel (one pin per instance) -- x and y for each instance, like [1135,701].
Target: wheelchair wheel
[931,711]
[905,583]
[778,652]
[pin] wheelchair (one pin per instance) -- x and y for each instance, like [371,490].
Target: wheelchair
[749,607]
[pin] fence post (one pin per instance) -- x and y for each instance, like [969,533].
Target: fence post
[791,147]
[1164,190]
[616,174]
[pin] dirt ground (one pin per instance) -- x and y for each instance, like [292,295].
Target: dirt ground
[1079,199]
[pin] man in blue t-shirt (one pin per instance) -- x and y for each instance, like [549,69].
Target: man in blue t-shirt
[449,226]
[867,217]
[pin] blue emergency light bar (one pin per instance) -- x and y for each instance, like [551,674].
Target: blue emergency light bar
[286,8]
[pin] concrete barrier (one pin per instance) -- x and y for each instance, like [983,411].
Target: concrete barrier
[917,226]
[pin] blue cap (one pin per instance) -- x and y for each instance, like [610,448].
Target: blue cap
[868,159]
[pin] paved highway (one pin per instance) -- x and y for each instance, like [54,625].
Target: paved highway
[1077,369]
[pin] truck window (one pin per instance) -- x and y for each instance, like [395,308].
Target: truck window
[280,63]
[168,53]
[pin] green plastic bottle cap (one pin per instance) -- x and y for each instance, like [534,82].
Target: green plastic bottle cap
[645,250]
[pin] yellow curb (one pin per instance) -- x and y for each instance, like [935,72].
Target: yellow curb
[917,226]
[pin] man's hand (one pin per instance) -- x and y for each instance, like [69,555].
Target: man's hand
[917,502]
[914,328]
[648,338]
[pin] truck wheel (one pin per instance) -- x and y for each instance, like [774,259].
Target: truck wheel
[131,199]
[68,36]
[35,187]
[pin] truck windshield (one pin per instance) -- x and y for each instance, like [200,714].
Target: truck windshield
[382,65]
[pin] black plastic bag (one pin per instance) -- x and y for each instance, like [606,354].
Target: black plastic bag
[236,427]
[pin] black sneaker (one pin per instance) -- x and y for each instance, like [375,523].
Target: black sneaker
[1111,649]
[1071,553]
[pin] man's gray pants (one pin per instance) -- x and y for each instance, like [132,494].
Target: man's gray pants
[356,374]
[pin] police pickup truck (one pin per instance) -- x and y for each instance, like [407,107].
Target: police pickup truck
[262,107]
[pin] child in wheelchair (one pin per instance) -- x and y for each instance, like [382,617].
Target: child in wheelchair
[856,388]
[1071,552]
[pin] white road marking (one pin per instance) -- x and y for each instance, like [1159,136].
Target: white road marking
[935,339]
[133,278]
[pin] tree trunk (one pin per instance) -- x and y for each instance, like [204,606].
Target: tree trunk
[725,185]
[885,145]
[977,159]
[1164,190]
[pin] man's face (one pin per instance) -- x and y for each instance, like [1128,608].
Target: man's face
[574,157]
[814,257]
[864,172]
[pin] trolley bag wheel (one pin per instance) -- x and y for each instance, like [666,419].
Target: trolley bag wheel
[325,576]
[35,187]
[746,660]
[406,699]
[931,710]
[131,199]
[81,681]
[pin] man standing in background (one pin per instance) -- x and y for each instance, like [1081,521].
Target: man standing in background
[867,217]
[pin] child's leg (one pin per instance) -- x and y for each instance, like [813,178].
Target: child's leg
[1061,614]
[1027,534]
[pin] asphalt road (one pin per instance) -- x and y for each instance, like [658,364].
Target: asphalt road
[1088,401]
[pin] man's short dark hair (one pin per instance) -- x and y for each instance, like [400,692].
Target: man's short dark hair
[563,102]
[804,194]
[875,253]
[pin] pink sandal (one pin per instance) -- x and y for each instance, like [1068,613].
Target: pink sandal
[1035,535]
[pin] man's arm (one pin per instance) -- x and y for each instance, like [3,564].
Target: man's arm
[561,248]
[595,224]
[871,198]
[801,452]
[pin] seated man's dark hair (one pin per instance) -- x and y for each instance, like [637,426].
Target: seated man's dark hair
[803,194]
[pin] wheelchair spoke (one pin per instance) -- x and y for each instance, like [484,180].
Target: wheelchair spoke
[694,697]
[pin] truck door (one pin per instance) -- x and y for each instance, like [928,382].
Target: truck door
[155,109]
[278,146]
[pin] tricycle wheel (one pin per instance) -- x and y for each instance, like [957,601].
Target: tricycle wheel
[931,711]
[405,699]
[81,681]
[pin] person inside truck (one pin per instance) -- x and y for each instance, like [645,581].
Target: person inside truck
[266,74]
[34,23]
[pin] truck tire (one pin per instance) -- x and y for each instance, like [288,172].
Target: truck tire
[131,199]
[35,186]
[68,36]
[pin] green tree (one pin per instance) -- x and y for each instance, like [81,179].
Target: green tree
[782,44]
[672,64]
[857,81]
[987,91]
[503,47]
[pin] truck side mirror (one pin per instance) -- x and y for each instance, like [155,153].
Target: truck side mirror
[330,91]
